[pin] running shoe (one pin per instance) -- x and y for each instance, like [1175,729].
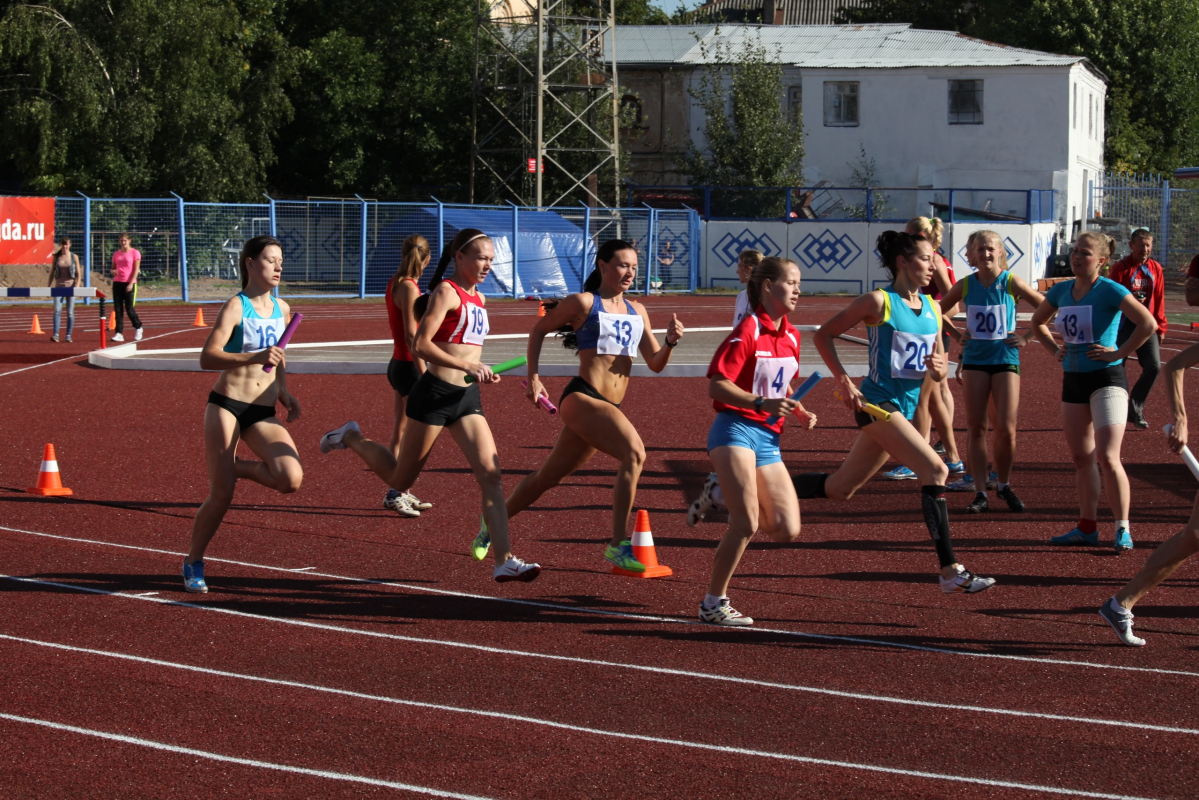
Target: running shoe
[68,337]
[956,467]
[1008,496]
[419,505]
[704,504]
[116,337]
[1123,540]
[54,338]
[516,570]
[963,484]
[1120,618]
[137,335]
[390,500]
[623,557]
[482,542]
[1076,536]
[333,439]
[939,448]
[724,614]
[900,473]
[401,505]
[992,481]
[193,577]
[1136,419]
[966,583]
[979,504]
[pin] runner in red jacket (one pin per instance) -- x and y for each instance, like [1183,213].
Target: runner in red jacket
[1144,277]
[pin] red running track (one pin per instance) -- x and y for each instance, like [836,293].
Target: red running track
[343,650]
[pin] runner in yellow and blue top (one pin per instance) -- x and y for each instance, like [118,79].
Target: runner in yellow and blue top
[1094,388]
[990,359]
[904,327]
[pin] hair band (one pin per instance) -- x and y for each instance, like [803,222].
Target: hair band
[471,239]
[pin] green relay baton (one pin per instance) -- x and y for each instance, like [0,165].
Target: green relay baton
[504,367]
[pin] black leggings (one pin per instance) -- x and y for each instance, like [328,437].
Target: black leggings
[122,301]
[1149,357]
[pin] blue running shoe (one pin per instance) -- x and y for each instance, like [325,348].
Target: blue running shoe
[900,473]
[992,481]
[956,467]
[1123,540]
[1076,536]
[963,484]
[193,577]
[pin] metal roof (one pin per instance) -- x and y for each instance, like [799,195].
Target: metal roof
[877,46]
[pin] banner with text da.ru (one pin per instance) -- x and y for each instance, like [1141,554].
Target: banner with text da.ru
[26,230]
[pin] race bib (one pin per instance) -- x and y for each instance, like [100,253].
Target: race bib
[1074,324]
[987,322]
[477,327]
[259,334]
[619,334]
[907,354]
[772,376]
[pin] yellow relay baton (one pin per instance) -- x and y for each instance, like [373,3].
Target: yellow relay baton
[869,408]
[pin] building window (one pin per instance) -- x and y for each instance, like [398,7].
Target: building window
[841,104]
[795,105]
[965,102]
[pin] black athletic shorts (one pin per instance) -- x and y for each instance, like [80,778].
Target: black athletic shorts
[992,369]
[436,402]
[247,414]
[581,386]
[402,376]
[863,419]
[1077,387]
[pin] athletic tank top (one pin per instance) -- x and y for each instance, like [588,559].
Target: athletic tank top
[610,334]
[255,333]
[898,345]
[990,318]
[741,310]
[1095,319]
[466,324]
[395,320]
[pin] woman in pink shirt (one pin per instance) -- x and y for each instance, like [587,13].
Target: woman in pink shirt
[126,263]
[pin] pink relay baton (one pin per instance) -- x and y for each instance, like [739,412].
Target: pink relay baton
[543,401]
[286,337]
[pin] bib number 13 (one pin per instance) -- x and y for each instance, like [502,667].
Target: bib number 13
[622,332]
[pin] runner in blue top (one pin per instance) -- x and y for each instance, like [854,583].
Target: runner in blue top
[904,327]
[991,361]
[1094,389]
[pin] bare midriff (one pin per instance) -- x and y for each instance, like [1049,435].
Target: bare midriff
[608,375]
[470,353]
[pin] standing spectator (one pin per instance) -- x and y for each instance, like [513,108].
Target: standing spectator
[64,272]
[1141,275]
[126,264]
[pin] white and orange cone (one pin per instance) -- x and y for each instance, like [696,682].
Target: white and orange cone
[49,484]
[644,551]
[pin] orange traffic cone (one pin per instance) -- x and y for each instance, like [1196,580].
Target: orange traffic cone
[541,309]
[36,327]
[112,320]
[48,482]
[199,323]
[643,550]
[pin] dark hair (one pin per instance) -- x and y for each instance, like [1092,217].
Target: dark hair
[412,256]
[464,236]
[893,244]
[1141,233]
[253,249]
[768,269]
[606,252]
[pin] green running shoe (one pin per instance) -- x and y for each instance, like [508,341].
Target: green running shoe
[482,542]
[623,557]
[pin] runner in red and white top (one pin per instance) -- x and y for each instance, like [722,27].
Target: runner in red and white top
[749,380]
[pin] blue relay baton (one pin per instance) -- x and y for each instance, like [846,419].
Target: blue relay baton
[798,394]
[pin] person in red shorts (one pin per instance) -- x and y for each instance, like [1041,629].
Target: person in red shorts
[1145,278]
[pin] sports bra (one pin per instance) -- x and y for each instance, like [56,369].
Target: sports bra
[467,324]
[610,334]
[255,333]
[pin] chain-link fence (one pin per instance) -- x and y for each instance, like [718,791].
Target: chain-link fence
[1121,203]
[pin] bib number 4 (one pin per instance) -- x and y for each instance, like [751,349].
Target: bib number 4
[772,376]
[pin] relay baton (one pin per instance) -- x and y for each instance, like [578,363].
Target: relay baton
[543,401]
[504,367]
[286,337]
[798,394]
[871,409]
[1186,454]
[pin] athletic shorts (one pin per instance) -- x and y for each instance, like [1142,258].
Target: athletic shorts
[730,429]
[992,369]
[581,386]
[863,419]
[436,402]
[246,414]
[402,376]
[1077,387]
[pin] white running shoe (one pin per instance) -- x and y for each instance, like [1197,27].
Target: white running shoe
[400,504]
[137,335]
[516,570]
[705,503]
[116,337]
[420,505]
[965,583]
[1120,618]
[724,614]
[333,439]
[963,484]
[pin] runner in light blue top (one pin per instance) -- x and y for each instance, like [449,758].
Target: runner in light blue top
[1092,320]
[990,317]
[899,343]
[255,332]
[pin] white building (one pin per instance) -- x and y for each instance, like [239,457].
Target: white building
[933,109]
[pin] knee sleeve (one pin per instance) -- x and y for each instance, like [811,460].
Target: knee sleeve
[809,484]
[936,518]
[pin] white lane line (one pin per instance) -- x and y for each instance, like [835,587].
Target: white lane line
[592,662]
[249,762]
[303,569]
[609,613]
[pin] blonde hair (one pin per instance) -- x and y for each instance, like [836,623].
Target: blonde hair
[930,228]
[1104,244]
[412,257]
[974,237]
[750,258]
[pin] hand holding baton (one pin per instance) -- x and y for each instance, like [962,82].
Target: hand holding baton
[798,394]
[870,408]
[286,337]
[543,401]
[1187,456]
[503,367]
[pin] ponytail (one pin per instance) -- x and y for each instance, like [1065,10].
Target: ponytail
[412,256]
[768,269]
[465,236]
[893,244]
[931,229]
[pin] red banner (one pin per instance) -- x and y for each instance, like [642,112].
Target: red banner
[26,230]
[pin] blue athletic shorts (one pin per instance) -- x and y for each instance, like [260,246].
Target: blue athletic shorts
[730,429]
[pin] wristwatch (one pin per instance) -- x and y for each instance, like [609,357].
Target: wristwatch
[758,401]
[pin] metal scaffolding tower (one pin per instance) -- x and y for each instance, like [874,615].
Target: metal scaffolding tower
[545,111]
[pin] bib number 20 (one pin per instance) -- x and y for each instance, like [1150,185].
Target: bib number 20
[916,352]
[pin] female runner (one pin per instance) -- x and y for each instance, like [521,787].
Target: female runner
[749,381]
[606,329]
[453,326]
[991,359]
[403,370]
[1094,387]
[904,327]
[242,403]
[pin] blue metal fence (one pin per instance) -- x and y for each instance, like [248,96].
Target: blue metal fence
[1171,214]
